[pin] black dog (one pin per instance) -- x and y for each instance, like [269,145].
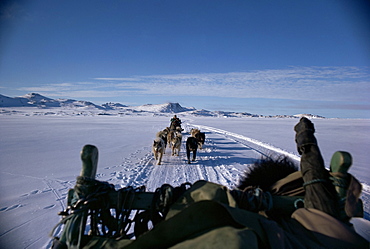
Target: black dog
[191,145]
[201,137]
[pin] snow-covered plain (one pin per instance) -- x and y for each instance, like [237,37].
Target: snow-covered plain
[39,157]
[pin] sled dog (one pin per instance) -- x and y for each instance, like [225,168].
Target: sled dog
[191,146]
[200,136]
[158,148]
[194,131]
[167,130]
[163,134]
[176,143]
[170,136]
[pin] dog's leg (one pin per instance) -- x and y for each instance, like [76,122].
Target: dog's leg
[188,155]
[194,154]
[160,158]
[165,144]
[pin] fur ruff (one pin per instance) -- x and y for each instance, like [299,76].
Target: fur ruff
[266,171]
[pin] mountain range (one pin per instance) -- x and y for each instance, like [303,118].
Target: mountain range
[39,101]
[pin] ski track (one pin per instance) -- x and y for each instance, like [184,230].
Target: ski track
[59,193]
[58,188]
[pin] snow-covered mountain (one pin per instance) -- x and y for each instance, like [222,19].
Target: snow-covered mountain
[112,106]
[40,101]
[165,108]
[68,106]
[37,100]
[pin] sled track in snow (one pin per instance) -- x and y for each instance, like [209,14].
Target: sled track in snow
[250,140]
[211,164]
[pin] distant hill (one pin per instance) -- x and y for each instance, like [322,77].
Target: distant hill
[39,101]
[164,108]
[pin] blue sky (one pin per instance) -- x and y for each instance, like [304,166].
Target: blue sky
[263,57]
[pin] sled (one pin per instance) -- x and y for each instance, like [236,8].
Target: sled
[107,212]
[98,216]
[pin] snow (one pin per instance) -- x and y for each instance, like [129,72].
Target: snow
[40,159]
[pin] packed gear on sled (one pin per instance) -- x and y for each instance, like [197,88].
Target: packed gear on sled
[310,208]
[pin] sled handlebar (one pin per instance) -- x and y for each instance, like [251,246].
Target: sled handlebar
[89,157]
[341,161]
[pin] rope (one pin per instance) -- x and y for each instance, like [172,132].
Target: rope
[91,200]
[314,181]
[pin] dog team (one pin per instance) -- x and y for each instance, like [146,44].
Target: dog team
[172,136]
